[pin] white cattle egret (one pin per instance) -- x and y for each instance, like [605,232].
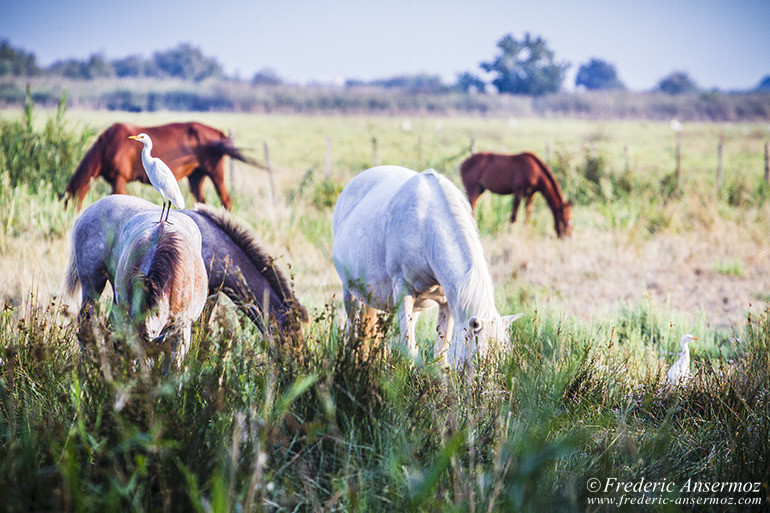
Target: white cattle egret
[679,372]
[160,176]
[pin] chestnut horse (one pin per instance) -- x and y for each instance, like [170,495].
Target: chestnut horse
[193,150]
[521,175]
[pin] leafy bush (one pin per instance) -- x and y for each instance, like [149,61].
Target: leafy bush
[36,158]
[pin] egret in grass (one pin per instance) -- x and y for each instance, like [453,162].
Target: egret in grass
[160,176]
[680,371]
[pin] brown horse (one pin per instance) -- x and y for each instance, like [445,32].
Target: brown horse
[190,149]
[521,175]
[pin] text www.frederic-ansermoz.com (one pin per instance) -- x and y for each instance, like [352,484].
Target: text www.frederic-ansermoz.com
[611,491]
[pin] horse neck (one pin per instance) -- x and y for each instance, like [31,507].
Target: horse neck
[250,278]
[90,167]
[472,295]
[465,276]
[549,188]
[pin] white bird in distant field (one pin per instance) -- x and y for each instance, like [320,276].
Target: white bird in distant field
[676,126]
[680,371]
[160,176]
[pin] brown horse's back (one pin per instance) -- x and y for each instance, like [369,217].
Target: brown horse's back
[520,175]
[493,172]
[189,149]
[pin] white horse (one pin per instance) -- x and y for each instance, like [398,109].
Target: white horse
[408,240]
[161,281]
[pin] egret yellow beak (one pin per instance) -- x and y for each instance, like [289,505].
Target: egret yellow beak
[133,137]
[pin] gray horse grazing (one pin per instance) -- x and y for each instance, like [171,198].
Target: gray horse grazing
[406,241]
[235,263]
[160,281]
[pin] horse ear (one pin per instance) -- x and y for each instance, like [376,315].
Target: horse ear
[475,324]
[508,319]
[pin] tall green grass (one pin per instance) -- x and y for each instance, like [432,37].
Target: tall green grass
[40,159]
[252,424]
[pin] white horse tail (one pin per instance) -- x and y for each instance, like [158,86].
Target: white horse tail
[72,280]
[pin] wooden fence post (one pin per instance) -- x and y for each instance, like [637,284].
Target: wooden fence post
[375,152]
[767,163]
[232,164]
[548,149]
[627,153]
[328,157]
[420,153]
[270,174]
[719,164]
[678,171]
[473,145]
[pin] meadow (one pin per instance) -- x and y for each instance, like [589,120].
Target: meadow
[255,424]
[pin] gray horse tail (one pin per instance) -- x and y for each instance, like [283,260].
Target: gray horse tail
[72,280]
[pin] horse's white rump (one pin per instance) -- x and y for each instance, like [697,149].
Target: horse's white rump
[407,240]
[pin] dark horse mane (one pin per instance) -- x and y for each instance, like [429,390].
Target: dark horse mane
[162,267]
[263,262]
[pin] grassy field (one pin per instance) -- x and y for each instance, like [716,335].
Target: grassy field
[253,424]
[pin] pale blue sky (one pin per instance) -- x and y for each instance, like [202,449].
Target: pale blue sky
[724,44]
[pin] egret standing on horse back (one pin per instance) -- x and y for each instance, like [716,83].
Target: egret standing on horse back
[160,176]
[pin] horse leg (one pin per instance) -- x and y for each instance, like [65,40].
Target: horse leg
[182,346]
[196,184]
[407,319]
[119,186]
[444,328]
[352,311]
[528,208]
[473,192]
[515,208]
[87,332]
[218,177]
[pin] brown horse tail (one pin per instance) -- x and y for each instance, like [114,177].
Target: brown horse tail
[226,147]
[162,267]
[90,167]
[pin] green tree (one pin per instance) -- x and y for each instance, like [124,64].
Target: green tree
[467,82]
[526,66]
[420,83]
[267,77]
[97,67]
[15,61]
[187,63]
[677,82]
[764,85]
[135,66]
[598,74]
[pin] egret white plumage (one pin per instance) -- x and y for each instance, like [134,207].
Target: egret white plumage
[680,370]
[160,176]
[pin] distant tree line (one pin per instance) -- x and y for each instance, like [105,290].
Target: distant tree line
[523,66]
[184,62]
